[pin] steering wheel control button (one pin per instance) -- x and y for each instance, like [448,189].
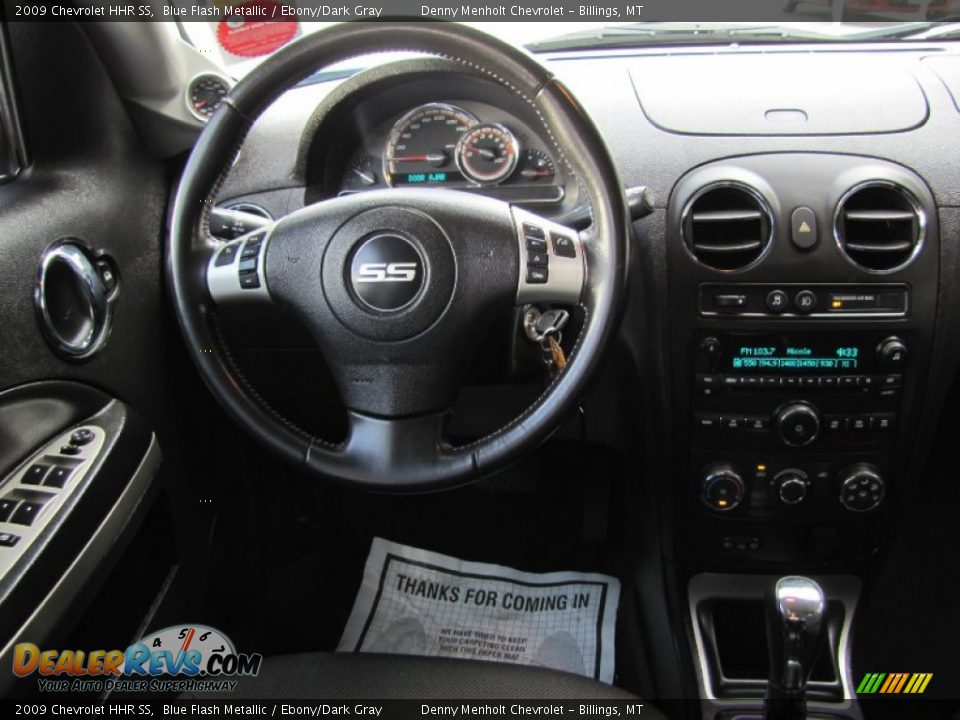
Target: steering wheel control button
[536,245]
[777,301]
[251,248]
[387,272]
[540,259]
[8,539]
[563,245]
[227,254]
[534,232]
[6,508]
[35,474]
[806,301]
[803,228]
[537,275]
[249,281]
[797,424]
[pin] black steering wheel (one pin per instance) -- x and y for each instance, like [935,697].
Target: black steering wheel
[394,284]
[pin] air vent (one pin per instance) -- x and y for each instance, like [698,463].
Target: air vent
[727,227]
[879,226]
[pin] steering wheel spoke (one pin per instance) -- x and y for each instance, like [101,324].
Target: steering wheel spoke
[399,453]
[553,266]
[236,270]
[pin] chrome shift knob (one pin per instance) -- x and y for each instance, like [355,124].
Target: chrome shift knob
[795,631]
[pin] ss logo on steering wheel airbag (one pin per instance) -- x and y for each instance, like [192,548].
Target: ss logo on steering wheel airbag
[387,272]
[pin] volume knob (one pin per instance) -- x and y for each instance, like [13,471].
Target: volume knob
[797,424]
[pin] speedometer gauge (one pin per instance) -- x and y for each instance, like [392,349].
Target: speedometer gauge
[422,146]
[487,154]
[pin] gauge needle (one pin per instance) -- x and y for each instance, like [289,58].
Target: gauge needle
[200,103]
[430,158]
[535,173]
[485,152]
[366,178]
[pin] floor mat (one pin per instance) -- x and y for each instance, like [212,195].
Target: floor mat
[417,602]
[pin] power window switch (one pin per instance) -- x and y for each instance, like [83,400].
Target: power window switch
[35,474]
[8,539]
[26,512]
[58,477]
[6,508]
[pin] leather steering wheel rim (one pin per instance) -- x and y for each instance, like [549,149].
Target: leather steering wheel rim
[383,453]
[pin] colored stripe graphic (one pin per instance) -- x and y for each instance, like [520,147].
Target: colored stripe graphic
[894,683]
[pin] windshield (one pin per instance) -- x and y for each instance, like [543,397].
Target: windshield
[240,46]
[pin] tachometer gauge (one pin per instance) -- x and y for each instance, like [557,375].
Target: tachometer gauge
[205,93]
[360,174]
[537,166]
[488,153]
[421,147]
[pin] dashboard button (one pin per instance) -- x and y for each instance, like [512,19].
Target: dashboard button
[836,423]
[891,381]
[883,421]
[803,228]
[777,301]
[829,382]
[860,422]
[729,301]
[848,381]
[707,421]
[806,301]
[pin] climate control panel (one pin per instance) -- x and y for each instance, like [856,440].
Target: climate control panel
[787,488]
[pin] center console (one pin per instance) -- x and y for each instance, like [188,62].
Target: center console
[802,300]
[802,297]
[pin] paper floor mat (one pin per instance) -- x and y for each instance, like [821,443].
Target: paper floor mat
[416,602]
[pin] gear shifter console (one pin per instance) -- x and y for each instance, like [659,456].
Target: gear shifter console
[796,627]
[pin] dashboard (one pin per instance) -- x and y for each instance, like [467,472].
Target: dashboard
[791,296]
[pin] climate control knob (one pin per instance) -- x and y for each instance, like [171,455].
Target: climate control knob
[797,424]
[723,488]
[791,486]
[862,489]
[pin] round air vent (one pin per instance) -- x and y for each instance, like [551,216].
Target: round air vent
[727,226]
[879,226]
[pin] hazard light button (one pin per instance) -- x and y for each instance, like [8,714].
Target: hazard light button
[803,228]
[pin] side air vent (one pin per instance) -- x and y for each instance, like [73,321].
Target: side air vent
[727,227]
[879,226]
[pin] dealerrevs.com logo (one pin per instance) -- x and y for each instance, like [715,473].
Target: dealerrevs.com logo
[176,659]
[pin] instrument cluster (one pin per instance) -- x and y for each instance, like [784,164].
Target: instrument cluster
[441,144]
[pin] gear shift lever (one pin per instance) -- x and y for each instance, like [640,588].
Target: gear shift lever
[795,631]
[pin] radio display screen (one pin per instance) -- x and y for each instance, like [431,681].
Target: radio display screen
[773,355]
